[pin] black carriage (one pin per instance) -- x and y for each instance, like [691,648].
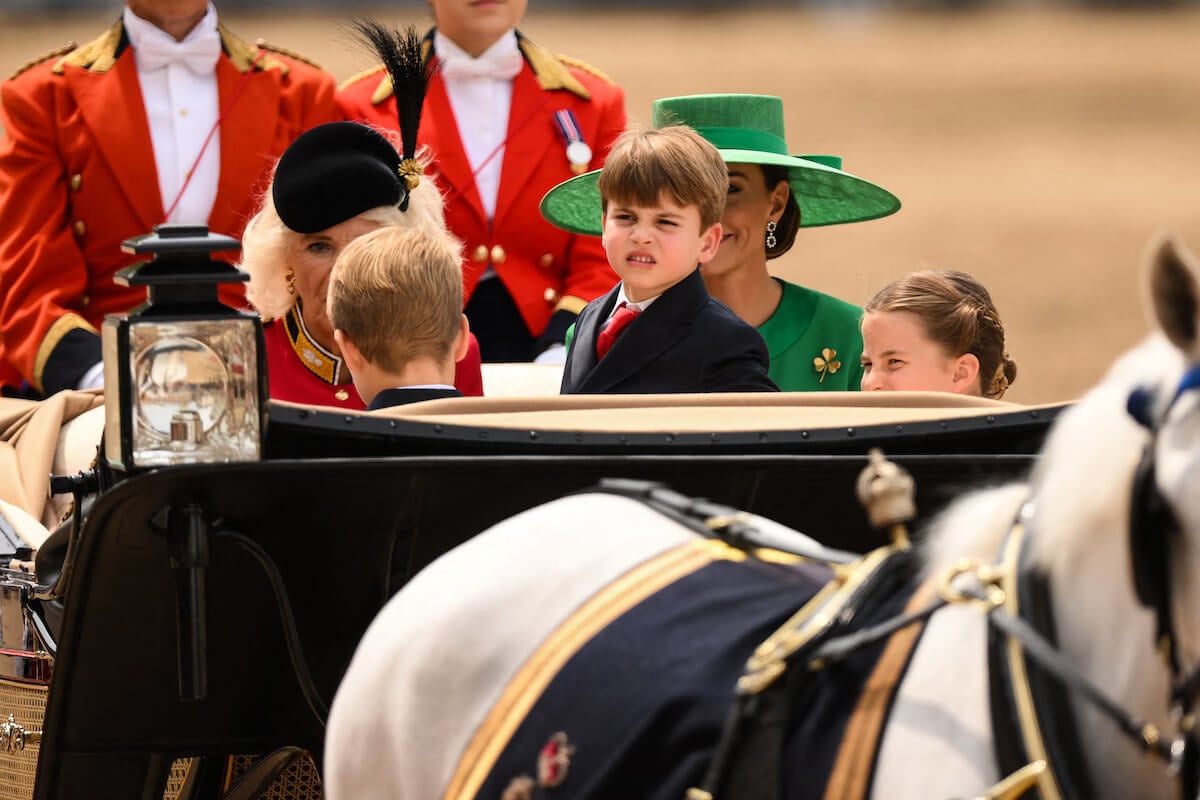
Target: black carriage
[186,629]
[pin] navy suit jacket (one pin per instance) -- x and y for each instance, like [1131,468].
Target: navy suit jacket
[684,342]
[409,394]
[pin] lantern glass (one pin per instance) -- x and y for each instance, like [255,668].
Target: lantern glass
[194,391]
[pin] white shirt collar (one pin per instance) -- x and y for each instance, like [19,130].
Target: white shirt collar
[503,49]
[137,29]
[624,298]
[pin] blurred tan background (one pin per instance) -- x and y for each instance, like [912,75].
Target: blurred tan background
[1038,148]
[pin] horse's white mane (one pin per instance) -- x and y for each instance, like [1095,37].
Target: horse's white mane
[1080,486]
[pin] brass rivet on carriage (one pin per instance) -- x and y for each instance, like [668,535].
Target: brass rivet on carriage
[546,260]
[76,182]
[550,295]
[1150,735]
[481,253]
[342,394]
[498,255]
[80,228]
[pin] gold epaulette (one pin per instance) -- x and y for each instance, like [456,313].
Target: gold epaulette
[552,73]
[586,67]
[283,51]
[28,65]
[98,55]
[366,73]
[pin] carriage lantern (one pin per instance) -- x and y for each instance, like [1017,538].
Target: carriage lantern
[185,375]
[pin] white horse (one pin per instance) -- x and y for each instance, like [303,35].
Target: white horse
[444,678]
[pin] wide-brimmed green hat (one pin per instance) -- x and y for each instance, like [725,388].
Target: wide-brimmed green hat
[746,129]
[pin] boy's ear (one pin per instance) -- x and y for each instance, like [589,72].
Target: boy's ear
[350,352]
[710,240]
[966,371]
[462,342]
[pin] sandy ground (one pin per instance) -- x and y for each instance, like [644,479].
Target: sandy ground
[1039,150]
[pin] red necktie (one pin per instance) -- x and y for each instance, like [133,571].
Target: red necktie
[612,329]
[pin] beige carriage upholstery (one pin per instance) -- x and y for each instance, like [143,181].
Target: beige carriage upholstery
[58,435]
[686,413]
[521,380]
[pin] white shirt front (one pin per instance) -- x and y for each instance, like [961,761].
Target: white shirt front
[481,104]
[182,108]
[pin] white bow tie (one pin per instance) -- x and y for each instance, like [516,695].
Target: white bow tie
[199,53]
[501,66]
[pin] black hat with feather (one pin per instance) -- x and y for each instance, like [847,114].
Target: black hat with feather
[336,171]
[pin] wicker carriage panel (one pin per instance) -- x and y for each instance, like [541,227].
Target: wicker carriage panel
[300,781]
[27,703]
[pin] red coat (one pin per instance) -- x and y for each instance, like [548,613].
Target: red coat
[77,176]
[543,268]
[292,380]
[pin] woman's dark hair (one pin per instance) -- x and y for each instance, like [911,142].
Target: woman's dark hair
[789,223]
[958,313]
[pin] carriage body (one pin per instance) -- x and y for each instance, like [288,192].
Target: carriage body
[305,546]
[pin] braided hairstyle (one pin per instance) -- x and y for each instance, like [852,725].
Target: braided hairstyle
[958,313]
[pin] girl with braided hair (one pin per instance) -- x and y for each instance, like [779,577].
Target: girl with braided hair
[935,330]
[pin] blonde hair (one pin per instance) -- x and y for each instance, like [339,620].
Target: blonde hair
[398,295]
[644,163]
[957,312]
[265,243]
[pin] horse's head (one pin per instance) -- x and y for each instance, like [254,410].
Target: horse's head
[1165,501]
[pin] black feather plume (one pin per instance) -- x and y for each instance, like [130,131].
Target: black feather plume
[400,52]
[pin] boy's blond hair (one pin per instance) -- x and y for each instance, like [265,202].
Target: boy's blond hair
[645,163]
[398,295]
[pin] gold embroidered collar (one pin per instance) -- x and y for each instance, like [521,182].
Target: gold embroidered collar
[315,358]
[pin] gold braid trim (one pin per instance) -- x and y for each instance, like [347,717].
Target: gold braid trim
[61,327]
[292,54]
[28,65]
[552,73]
[98,55]
[586,67]
[366,73]
[571,303]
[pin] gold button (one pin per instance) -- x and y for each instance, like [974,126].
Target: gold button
[80,228]
[480,254]
[342,394]
[86,300]
[546,260]
[183,112]
[76,182]
[498,255]
[550,295]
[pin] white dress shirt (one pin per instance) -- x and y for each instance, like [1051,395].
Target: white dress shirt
[480,92]
[182,107]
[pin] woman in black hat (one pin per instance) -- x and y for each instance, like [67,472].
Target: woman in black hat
[335,183]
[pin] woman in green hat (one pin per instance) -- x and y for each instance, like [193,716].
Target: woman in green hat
[814,339]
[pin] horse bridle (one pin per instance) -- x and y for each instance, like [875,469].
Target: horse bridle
[1033,667]
[1153,527]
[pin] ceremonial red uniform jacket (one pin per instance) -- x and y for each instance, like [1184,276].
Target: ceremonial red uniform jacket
[77,176]
[301,371]
[543,268]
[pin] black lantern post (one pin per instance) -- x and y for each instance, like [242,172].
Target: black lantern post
[185,375]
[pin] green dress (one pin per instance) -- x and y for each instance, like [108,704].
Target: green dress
[815,342]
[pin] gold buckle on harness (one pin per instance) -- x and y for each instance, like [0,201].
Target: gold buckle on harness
[989,577]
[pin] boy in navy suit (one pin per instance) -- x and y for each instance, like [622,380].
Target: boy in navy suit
[661,195]
[395,303]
